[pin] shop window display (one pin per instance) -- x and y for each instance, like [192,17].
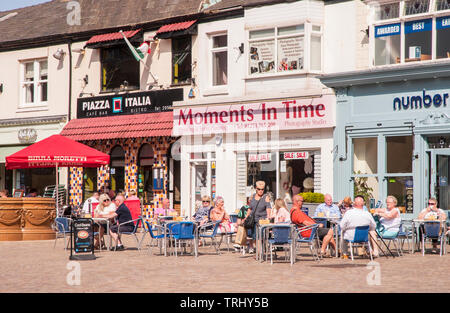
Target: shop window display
[296,173]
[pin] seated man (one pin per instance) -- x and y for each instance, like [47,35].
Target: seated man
[354,218]
[166,209]
[299,218]
[328,208]
[87,206]
[123,216]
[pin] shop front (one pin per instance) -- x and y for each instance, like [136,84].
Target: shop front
[135,129]
[393,134]
[226,148]
[18,134]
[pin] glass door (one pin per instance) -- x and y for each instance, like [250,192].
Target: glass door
[439,177]
[203,180]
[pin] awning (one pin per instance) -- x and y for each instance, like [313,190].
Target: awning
[110,39]
[121,126]
[176,30]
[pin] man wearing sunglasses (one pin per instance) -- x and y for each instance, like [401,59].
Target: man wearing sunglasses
[431,212]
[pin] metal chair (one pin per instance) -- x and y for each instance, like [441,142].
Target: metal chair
[405,233]
[432,230]
[134,232]
[281,237]
[361,237]
[205,232]
[62,225]
[184,232]
[395,239]
[157,237]
[311,240]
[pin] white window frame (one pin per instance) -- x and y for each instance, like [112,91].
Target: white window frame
[36,84]
[211,58]
[306,34]
[432,14]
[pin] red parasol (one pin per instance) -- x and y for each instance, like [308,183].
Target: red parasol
[57,151]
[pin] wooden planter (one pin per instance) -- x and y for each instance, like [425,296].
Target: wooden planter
[27,219]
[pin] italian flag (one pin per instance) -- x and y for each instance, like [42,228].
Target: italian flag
[139,52]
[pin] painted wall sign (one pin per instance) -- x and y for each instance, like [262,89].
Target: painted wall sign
[418,26]
[131,103]
[387,30]
[281,115]
[419,101]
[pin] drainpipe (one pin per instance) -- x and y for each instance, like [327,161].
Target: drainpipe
[69,44]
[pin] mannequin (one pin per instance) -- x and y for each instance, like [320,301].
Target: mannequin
[286,179]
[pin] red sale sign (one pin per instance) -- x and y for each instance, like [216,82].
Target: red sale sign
[296,155]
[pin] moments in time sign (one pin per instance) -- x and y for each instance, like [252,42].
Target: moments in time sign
[130,103]
[281,115]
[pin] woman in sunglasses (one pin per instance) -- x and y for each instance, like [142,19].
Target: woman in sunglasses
[201,216]
[104,207]
[260,204]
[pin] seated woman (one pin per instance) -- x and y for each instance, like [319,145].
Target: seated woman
[201,216]
[345,205]
[218,214]
[280,214]
[390,218]
[105,207]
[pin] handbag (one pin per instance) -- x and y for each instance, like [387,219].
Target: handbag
[250,221]
[241,236]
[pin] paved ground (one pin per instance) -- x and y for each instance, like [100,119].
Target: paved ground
[34,266]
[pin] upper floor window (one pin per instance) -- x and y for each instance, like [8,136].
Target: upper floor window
[409,39]
[181,60]
[219,57]
[34,83]
[120,70]
[282,49]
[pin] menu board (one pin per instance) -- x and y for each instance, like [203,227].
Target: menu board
[262,56]
[83,235]
[290,54]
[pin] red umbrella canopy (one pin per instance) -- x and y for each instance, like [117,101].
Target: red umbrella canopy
[58,151]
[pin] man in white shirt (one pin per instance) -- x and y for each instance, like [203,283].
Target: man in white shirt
[88,203]
[354,218]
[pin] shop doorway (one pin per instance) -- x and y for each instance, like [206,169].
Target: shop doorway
[439,178]
[203,181]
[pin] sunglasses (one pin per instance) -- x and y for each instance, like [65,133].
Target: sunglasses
[261,189]
[431,203]
[106,200]
[205,201]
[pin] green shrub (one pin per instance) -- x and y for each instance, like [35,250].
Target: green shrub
[312,197]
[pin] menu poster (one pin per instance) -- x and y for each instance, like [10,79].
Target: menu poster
[83,235]
[262,56]
[290,54]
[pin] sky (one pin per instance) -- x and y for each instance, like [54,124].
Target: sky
[6,5]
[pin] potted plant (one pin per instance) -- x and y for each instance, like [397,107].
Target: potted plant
[311,200]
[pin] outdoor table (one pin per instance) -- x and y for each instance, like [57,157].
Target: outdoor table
[103,220]
[334,220]
[165,224]
[417,222]
[261,240]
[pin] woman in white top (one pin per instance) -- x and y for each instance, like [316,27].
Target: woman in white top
[390,217]
[280,214]
[105,206]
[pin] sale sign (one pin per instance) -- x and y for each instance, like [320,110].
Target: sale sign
[296,155]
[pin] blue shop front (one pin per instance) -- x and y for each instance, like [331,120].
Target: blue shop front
[392,134]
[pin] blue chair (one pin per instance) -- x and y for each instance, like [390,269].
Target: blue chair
[157,237]
[432,230]
[281,237]
[361,237]
[405,233]
[233,218]
[204,232]
[134,232]
[311,240]
[305,210]
[62,225]
[184,232]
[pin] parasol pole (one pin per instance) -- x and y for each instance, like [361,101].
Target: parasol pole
[57,183]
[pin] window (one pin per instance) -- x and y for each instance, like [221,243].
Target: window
[219,60]
[34,83]
[90,181]
[181,60]
[120,70]
[399,154]
[277,49]
[316,48]
[145,179]
[365,167]
[410,38]
[117,169]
